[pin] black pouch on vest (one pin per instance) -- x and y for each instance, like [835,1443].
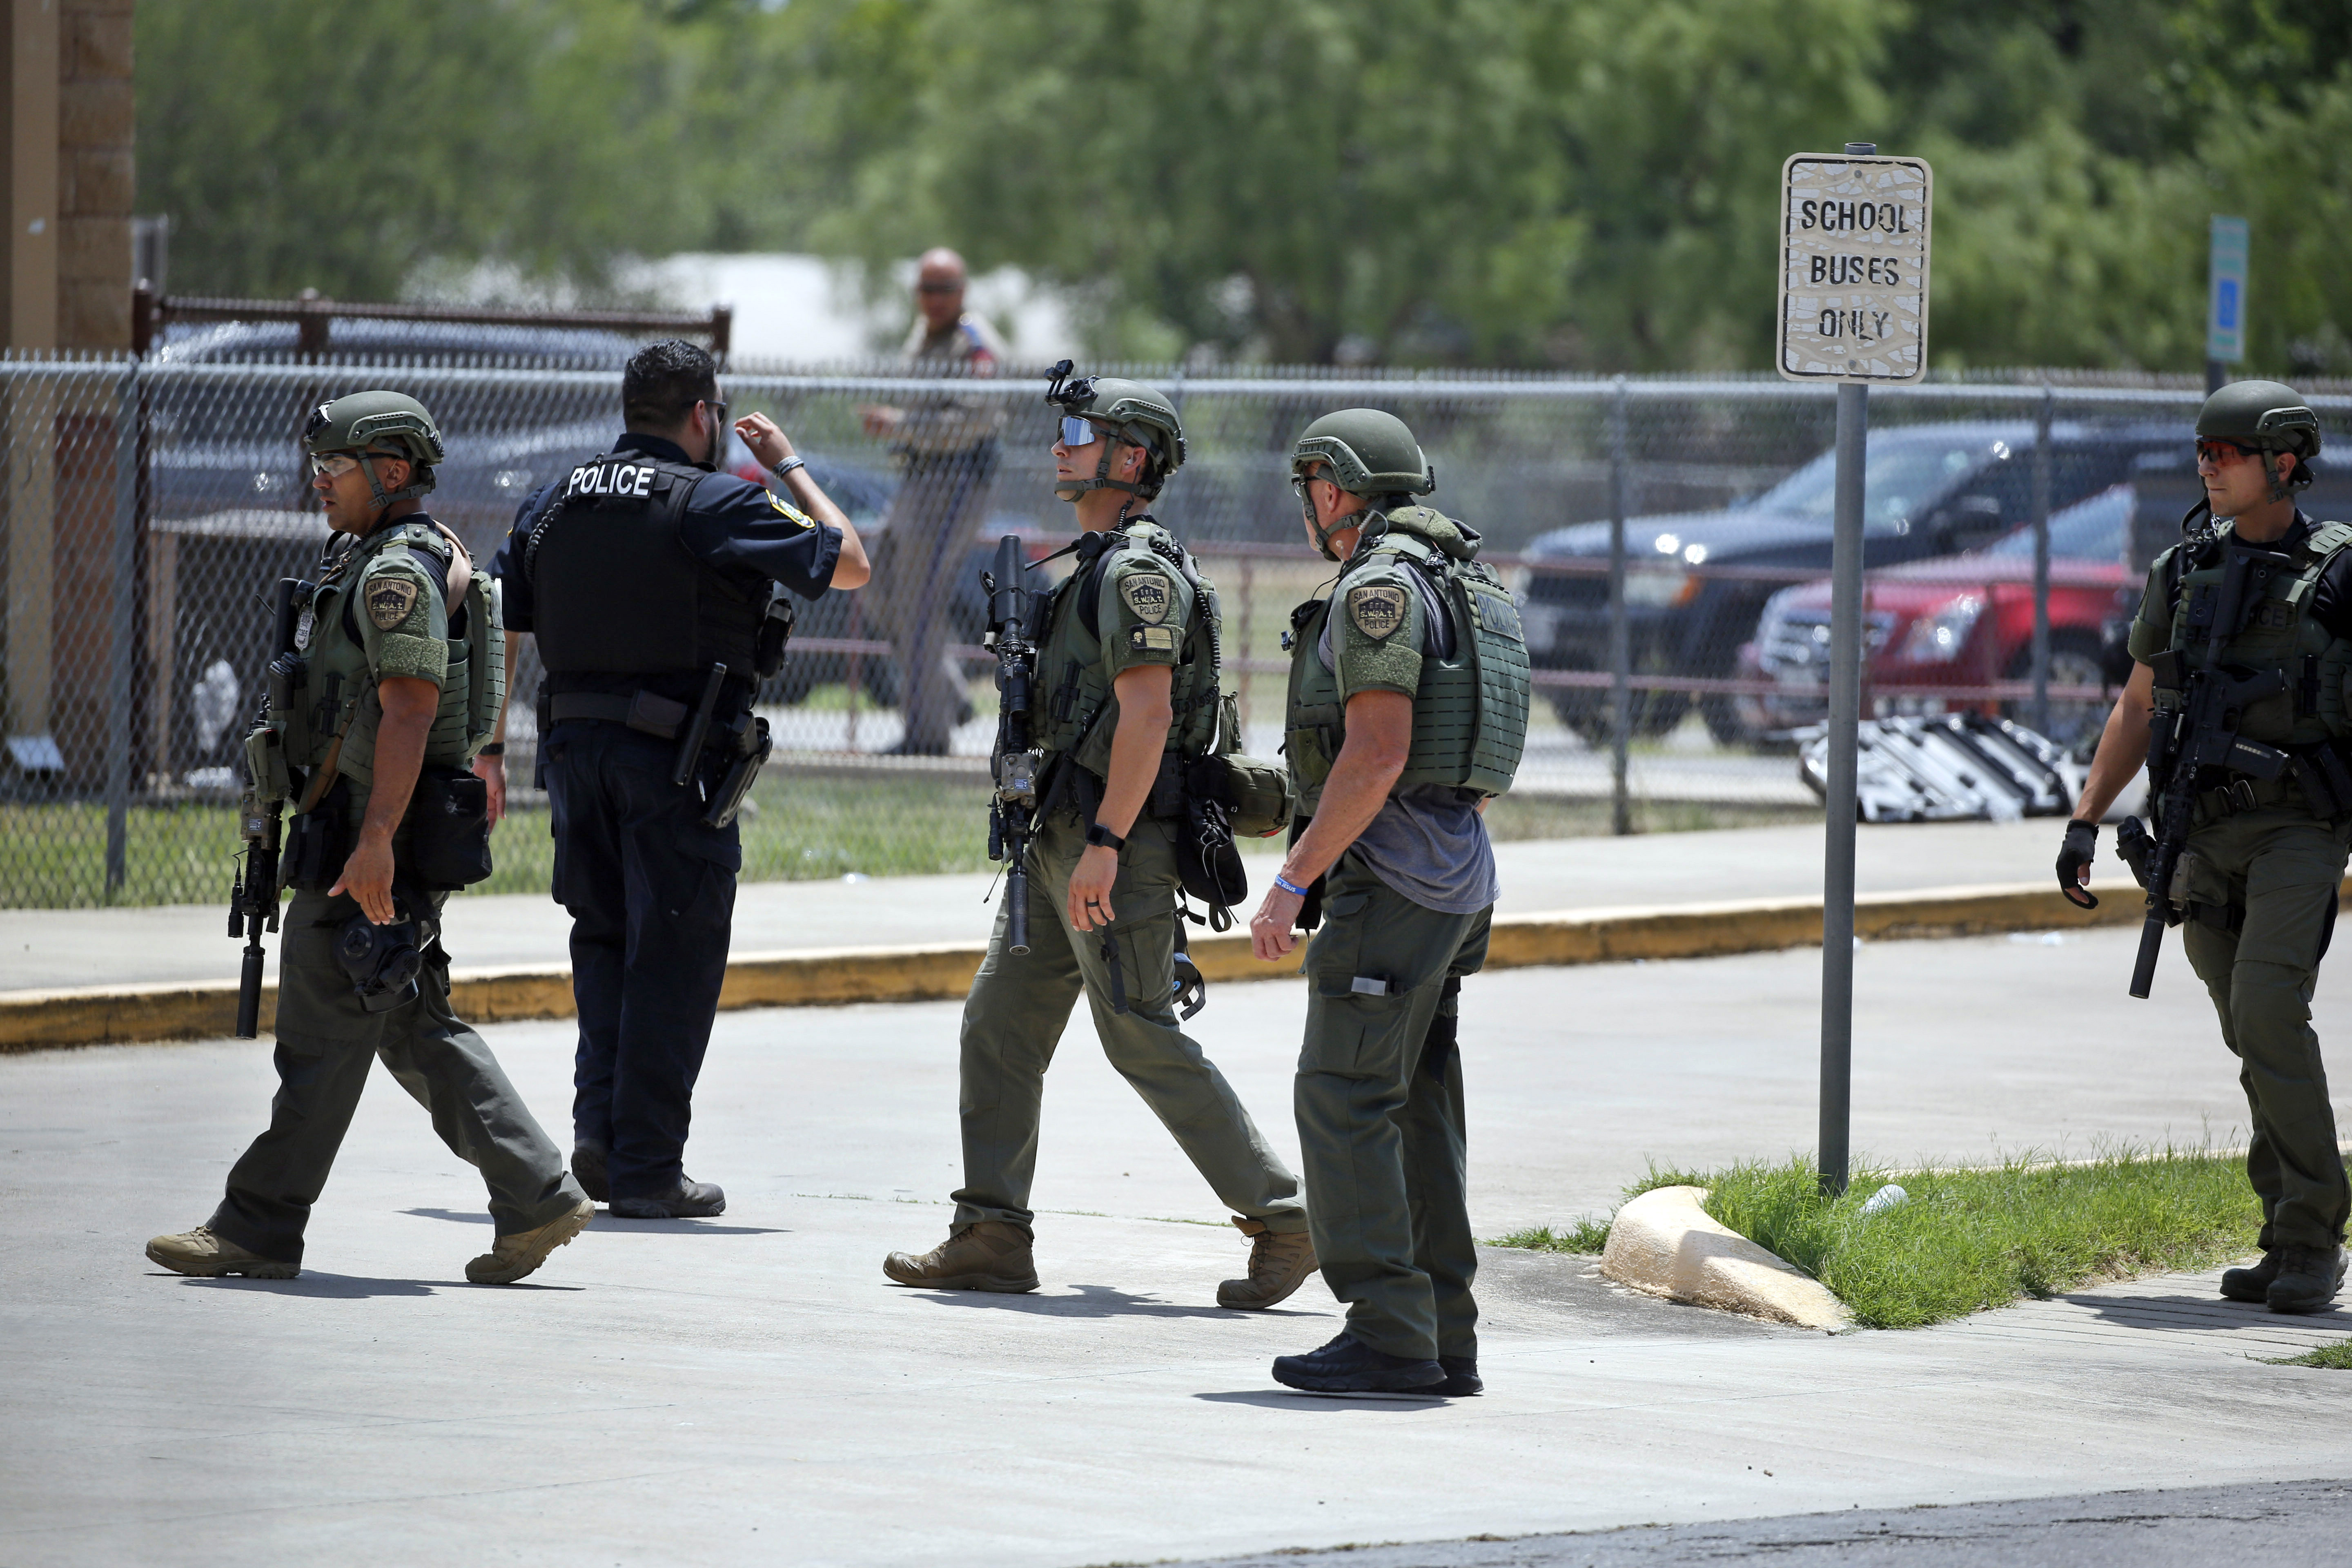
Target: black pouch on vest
[449,829]
[1207,864]
[318,841]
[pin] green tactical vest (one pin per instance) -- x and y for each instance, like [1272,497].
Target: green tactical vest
[2279,634]
[1080,712]
[1470,713]
[337,696]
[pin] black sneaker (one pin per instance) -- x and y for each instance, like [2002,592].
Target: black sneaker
[690,1200]
[2308,1277]
[1461,1378]
[588,1170]
[1349,1365]
[2251,1284]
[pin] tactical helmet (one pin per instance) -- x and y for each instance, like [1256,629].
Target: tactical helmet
[1370,453]
[2269,416]
[382,424]
[1130,411]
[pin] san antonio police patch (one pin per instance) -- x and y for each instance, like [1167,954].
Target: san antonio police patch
[1147,594]
[389,601]
[1376,609]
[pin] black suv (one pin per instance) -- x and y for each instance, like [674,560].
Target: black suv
[1932,489]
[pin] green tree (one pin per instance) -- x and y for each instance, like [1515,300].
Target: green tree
[341,147]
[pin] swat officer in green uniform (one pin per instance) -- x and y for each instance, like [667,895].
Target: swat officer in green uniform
[397,684]
[1126,676]
[2255,885]
[1407,711]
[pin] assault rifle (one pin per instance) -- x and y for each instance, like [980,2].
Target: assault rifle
[1014,764]
[253,897]
[2198,734]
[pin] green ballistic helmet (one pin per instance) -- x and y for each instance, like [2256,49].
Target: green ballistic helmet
[1369,453]
[2270,417]
[378,423]
[1131,411]
[2270,414]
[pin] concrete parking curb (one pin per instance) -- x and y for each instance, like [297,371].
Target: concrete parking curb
[123,1014]
[1665,1244]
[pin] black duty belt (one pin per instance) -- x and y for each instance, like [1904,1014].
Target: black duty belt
[640,710]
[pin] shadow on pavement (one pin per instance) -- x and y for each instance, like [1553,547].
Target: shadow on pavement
[1295,1399]
[325,1286]
[2193,1313]
[1091,1302]
[604,1222]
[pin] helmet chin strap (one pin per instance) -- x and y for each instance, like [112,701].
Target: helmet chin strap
[1071,489]
[383,498]
[2279,491]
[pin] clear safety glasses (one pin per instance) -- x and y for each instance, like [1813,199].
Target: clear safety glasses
[332,465]
[1077,431]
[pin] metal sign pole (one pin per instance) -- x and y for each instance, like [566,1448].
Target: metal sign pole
[2042,469]
[1854,309]
[1846,716]
[1620,697]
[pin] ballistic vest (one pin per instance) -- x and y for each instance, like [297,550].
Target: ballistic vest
[336,694]
[1470,710]
[614,589]
[1080,710]
[2277,631]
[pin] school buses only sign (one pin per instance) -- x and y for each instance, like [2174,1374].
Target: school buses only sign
[1854,267]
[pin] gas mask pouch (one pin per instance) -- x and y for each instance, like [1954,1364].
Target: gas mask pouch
[382,962]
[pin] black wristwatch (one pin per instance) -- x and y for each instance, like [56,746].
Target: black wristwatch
[1097,833]
[495,749]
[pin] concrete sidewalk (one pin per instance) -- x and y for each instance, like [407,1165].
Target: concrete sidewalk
[41,949]
[750,1390]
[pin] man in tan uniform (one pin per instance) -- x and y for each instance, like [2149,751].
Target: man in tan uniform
[947,452]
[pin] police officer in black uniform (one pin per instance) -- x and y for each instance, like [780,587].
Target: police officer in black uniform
[648,578]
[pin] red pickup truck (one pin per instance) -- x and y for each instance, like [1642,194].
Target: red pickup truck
[1942,633]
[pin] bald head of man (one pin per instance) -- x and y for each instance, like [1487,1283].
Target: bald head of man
[939,288]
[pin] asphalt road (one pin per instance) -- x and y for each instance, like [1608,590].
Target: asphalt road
[2271,1522]
[750,1390]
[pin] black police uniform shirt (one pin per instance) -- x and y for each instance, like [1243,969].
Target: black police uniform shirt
[731,525]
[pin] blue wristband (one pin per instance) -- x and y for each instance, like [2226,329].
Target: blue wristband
[1287,886]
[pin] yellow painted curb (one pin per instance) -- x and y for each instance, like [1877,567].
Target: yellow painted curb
[1665,1244]
[122,1014]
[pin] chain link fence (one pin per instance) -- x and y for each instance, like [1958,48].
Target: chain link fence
[1669,539]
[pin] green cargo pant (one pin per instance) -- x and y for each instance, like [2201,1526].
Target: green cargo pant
[1019,1006]
[2282,868]
[1380,1128]
[326,1041]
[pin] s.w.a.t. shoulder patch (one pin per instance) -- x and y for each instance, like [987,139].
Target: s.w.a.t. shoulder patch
[1376,609]
[389,601]
[1146,596]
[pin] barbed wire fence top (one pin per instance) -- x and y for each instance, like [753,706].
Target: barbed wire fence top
[147,508]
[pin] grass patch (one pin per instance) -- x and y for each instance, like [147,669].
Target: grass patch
[806,826]
[2333,1358]
[1968,1240]
[809,826]
[1584,1233]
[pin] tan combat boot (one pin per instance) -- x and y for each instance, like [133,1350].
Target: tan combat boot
[206,1255]
[516,1256]
[989,1254]
[1279,1263]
